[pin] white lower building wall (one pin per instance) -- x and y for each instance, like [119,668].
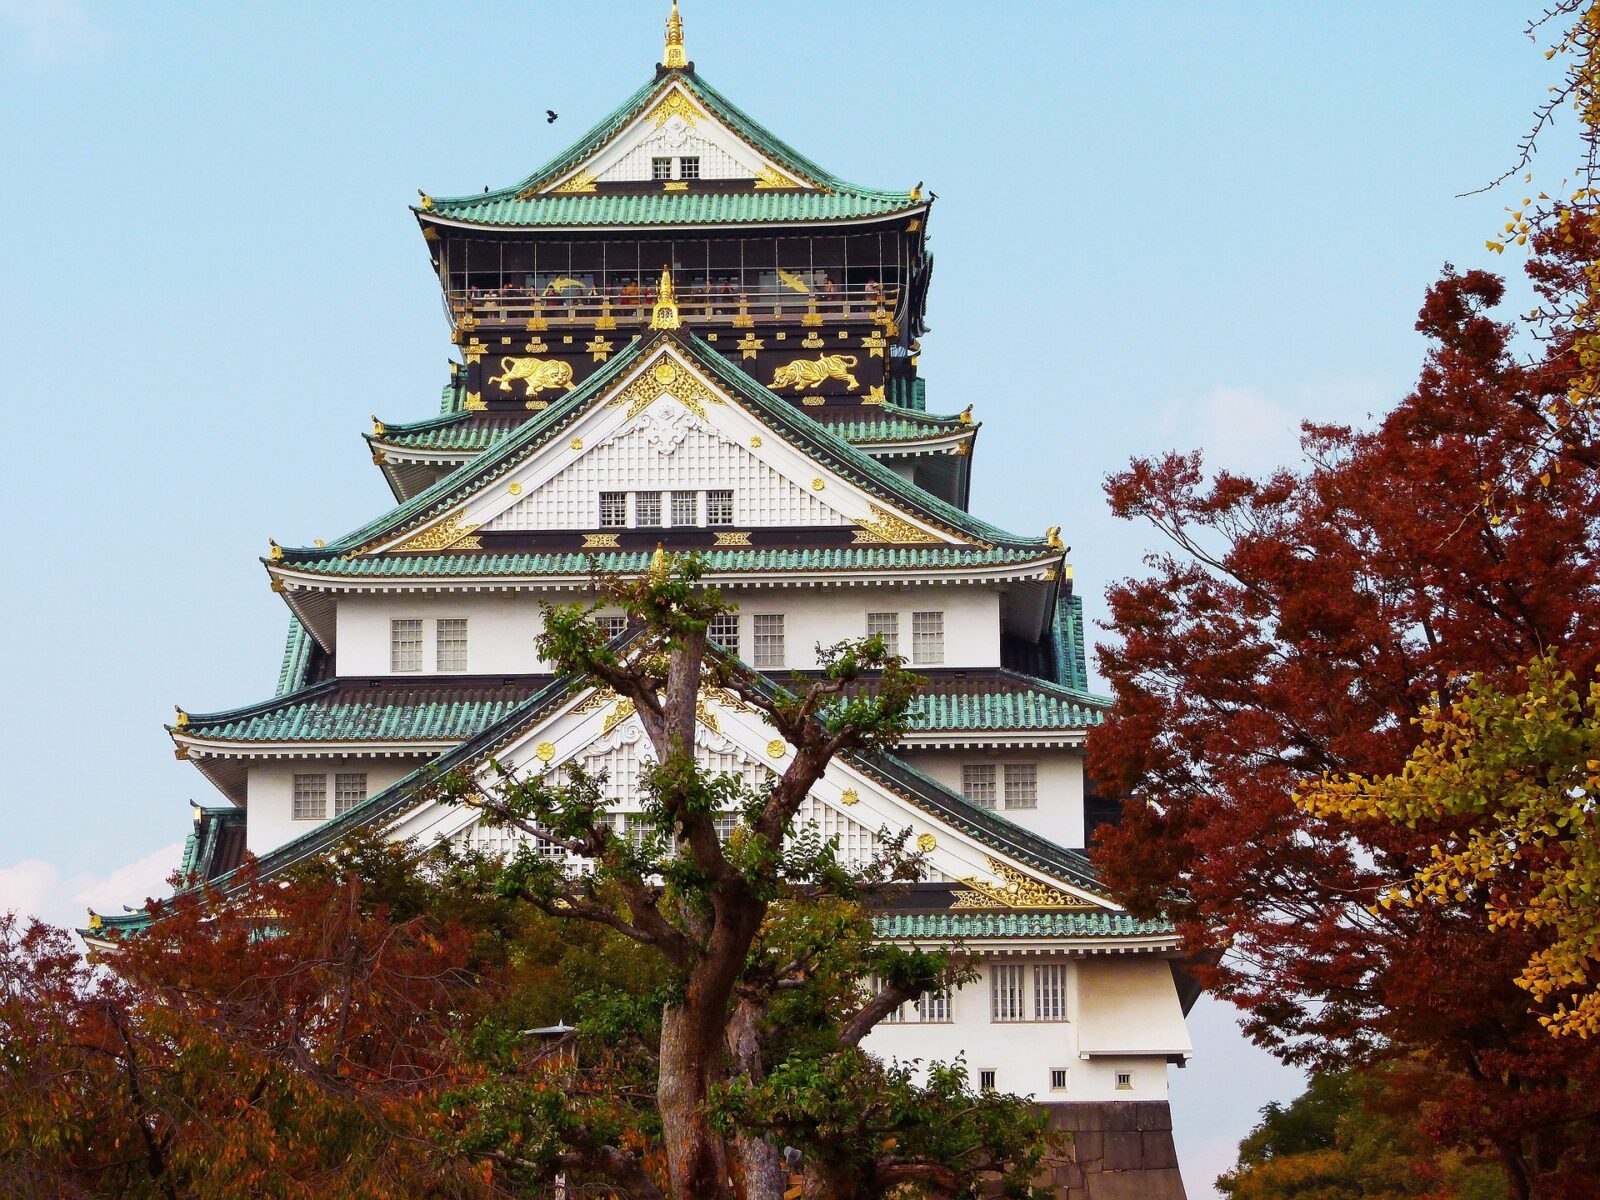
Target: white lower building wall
[269,792]
[503,626]
[1023,1054]
[1059,815]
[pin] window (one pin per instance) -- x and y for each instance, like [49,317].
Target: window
[726,823]
[310,797]
[1124,1081]
[719,507]
[986,1079]
[349,790]
[927,637]
[689,167]
[1005,992]
[724,631]
[886,626]
[767,640]
[405,644]
[1050,992]
[637,827]
[450,642]
[661,168]
[647,509]
[686,508]
[612,626]
[934,1007]
[977,783]
[613,510]
[1022,785]
[1058,1079]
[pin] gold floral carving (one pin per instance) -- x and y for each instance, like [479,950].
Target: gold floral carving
[771,177]
[546,751]
[514,488]
[776,748]
[599,541]
[818,484]
[755,442]
[617,716]
[675,185]
[703,714]
[811,317]
[885,526]
[743,320]
[449,534]
[1015,890]
[475,403]
[583,181]
[675,104]
[749,344]
[849,797]
[874,345]
[681,385]
[725,538]
[875,395]
[927,843]
[812,341]
[599,347]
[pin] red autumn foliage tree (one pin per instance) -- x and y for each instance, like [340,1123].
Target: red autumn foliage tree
[1296,627]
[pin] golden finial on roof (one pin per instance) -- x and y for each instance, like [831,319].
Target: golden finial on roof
[665,314]
[94,920]
[274,551]
[966,415]
[658,563]
[1052,538]
[673,55]
[182,718]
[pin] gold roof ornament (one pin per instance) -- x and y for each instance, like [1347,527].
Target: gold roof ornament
[658,563]
[673,55]
[274,551]
[182,718]
[95,922]
[1052,537]
[665,313]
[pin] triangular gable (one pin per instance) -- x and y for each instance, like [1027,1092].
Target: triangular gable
[673,122]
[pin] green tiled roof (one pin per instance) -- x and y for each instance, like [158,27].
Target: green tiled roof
[832,200]
[334,711]
[457,431]
[296,658]
[783,417]
[1071,658]
[909,393]
[1000,924]
[896,424]
[1031,705]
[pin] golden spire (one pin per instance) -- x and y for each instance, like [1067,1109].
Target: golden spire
[665,313]
[673,55]
[658,563]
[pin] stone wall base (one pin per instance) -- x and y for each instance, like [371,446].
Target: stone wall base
[1120,1150]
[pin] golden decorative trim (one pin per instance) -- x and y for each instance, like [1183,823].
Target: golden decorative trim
[813,401]
[811,317]
[843,333]
[599,541]
[927,843]
[803,373]
[849,798]
[874,345]
[538,325]
[725,538]
[649,385]
[711,337]
[535,374]
[812,341]
[665,313]
[755,442]
[566,339]
[576,443]
[583,181]
[449,534]
[875,395]
[1052,538]
[379,458]
[743,320]
[914,224]
[599,347]
[885,526]
[278,585]
[776,748]
[1051,575]
[771,177]
[619,714]
[537,405]
[515,489]
[675,104]
[545,751]
[818,484]
[430,234]
[675,185]
[537,346]
[474,403]
[963,449]
[474,350]
[1015,890]
[749,344]
[703,714]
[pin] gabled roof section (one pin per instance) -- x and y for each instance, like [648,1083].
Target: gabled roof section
[762,179]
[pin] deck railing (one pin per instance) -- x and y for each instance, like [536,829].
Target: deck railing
[514,308]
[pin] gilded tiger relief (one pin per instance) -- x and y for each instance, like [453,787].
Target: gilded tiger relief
[805,373]
[537,374]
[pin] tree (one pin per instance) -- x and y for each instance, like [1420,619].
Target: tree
[762,939]
[1296,628]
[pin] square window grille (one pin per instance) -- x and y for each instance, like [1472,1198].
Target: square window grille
[986,1079]
[310,797]
[405,644]
[349,790]
[1006,982]
[450,643]
[726,823]
[935,1007]
[1022,785]
[647,509]
[767,640]
[724,631]
[1124,1081]
[661,168]
[887,626]
[689,167]
[1050,992]
[977,783]
[1058,1079]
[927,638]
[686,508]
[719,506]
[613,510]
[612,626]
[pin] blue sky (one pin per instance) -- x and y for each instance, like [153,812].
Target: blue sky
[1164,225]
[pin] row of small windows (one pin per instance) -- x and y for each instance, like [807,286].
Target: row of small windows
[406,643]
[688,166]
[767,636]
[310,802]
[1016,785]
[661,510]
[1058,1079]
[1016,993]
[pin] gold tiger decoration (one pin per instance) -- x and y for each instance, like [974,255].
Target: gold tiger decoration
[537,374]
[805,373]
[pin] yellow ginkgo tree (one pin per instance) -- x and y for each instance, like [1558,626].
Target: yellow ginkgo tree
[1508,782]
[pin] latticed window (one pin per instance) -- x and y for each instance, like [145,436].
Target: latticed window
[405,644]
[977,783]
[927,637]
[310,797]
[686,508]
[767,640]
[612,626]
[689,167]
[726,823]
[1050,992]
[1005,992]
[661,168]
[647,509]
[986,1079]
[1058,1079]
[613,510]
[719,506]
[349,790]
[1022,785]
[934,1007]
[887,626]
[724,631]
[450,643]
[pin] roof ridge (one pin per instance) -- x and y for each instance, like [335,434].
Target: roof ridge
[281,700]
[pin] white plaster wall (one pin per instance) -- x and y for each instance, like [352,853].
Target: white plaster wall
[269,793]
[1023,1053]
[502,626]
[1059,816]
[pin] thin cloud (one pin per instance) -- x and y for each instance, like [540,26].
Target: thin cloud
[36,888]
[53,31]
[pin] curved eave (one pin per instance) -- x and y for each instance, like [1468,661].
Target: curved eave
[1165,945]
[431,215]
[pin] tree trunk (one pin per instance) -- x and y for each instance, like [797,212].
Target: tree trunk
[697,1160]
[758,1161]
